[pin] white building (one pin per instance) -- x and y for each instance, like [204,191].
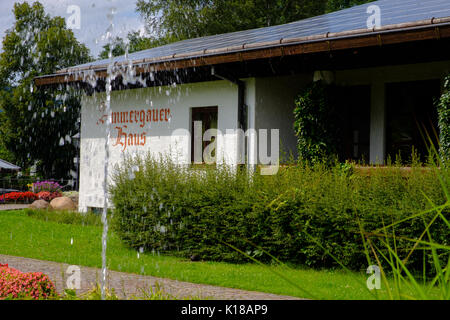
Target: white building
[390,58]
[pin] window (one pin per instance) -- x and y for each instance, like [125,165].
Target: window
[207,119]
[410,113]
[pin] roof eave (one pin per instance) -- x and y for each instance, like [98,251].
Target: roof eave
[435,28]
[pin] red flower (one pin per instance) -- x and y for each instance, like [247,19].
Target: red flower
[48,196]
[18,196]
[16,284]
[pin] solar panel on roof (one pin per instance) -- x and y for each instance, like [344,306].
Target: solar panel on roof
[355,18]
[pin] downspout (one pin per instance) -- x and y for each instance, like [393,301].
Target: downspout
[242,107]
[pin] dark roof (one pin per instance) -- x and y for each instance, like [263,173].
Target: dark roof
[395,14]
[4,165]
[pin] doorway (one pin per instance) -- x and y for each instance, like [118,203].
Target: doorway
[354,122]
[207,117]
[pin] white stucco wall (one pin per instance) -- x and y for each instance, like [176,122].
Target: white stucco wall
[275,104]
[158,135]
[270,104]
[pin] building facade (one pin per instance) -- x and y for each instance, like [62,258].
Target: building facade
[389,74]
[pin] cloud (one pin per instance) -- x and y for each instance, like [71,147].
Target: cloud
[93,14]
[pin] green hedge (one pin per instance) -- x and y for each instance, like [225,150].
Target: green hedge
[186,212]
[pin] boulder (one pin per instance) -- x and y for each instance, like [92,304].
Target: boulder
[73,195]
[39,205]
[74,198]
[63,203]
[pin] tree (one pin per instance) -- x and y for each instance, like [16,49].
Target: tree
[180,19]
[174,20]
[134,41]
[334,5]
[117,50]
[37,125]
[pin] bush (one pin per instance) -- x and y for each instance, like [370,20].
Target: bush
[17,285]
[164,207]
[48,196]
[444,119]
[315,122]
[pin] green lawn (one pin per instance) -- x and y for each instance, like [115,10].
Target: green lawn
[21,235]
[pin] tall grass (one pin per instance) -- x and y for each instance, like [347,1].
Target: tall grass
[425,243]
[65,217]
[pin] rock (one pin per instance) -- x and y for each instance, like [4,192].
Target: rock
[74,198]
[195,258]
[73,195]
[62,203]
[39,205]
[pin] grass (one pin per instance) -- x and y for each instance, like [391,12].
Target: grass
[22,234]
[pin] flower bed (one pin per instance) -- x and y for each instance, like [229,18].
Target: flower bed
[49,186]
[18,285]
[18,197]
[48,196]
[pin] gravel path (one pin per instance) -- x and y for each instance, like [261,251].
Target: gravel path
[7,207]
[127,285]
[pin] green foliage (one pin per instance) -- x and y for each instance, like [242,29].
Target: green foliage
[4,153]
[159,206]
[334,5]
[315,122]
[178,20]
[148,213]
[35,121]
[135,42]
[65,217]
[444,119]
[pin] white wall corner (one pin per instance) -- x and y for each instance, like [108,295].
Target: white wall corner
[378,124]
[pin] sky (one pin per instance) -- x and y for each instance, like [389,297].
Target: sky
[93,18]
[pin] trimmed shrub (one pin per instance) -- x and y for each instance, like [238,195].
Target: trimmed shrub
[444,119]
[163,207]
[17,285]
